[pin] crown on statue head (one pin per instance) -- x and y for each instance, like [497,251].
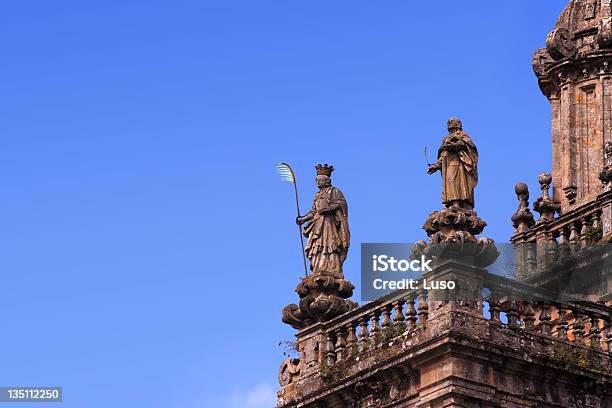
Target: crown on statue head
[324,169]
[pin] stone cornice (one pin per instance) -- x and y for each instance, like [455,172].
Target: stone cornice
[552,75]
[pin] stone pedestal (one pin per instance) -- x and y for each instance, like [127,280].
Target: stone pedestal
[321,298]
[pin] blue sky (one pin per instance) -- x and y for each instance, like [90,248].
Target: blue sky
[147,245]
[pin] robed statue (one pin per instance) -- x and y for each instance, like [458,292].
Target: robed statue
[326,227]
[458,163]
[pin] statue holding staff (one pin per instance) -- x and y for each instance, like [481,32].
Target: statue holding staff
[326,227]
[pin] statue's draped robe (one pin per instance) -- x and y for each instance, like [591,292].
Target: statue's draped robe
[459,169]
[328,234]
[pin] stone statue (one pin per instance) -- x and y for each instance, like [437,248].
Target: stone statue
[324,293]
[453,231]
[327,227]
[458,163]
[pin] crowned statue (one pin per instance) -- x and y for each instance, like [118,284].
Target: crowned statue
[326,227]
[324,294]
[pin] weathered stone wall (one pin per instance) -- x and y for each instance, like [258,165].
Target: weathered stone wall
[460,359]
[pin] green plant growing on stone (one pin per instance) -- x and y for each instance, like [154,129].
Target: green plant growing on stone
[391,332]
[570,358]
[593,235]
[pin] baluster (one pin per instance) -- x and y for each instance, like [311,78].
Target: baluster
[386,321]
[578,328]
[532,262]
[562,324]
[494,307]
[375,328]
[364,335]
[528,316]
[563,236]
[340,344]
[584,226]
[552,247]
[609,336]
[411,314]
[596,220]
[330,350]
[573,237]
[563,242]
[399,318]
[512,313]
[545,318]
[583,231]
[351,339]
[320,350]
[594,332]
[423,308]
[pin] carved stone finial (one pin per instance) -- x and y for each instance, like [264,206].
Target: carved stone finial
[522,219]
[544,179]
[323,294]
[544,205]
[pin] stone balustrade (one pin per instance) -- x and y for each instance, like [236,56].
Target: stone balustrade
[362,329]
[570,246]
[582,227]
[404,315]
[503,316]
[522,307]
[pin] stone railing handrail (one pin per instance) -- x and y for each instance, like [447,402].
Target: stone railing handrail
[364,310]
[566,228]
[511,303]
[520,291]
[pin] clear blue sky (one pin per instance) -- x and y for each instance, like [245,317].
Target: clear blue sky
[147,245]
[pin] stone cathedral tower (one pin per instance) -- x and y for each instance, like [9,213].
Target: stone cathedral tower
[539,339]
[575,73]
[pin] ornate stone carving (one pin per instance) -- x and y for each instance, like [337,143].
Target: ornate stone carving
[371,390]
[605,175]
[544,205]
[560,44]
[604,33]
[321,298]
[323,294]
[454,224]
[289,371]
[570,193]
[540,61]
[522,219]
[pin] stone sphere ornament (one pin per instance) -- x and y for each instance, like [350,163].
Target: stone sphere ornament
[521,189]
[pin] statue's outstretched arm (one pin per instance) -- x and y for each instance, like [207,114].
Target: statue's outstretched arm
[305,218]
[435,167]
